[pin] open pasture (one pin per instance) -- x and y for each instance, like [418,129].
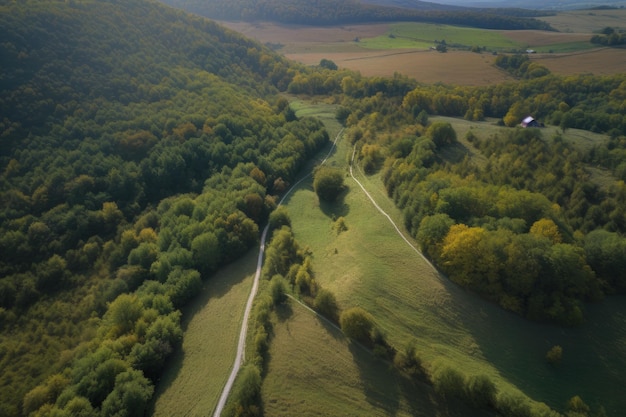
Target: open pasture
[426,34]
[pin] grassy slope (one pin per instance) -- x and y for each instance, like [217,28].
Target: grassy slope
[315,371]
[370,266]
[195,376]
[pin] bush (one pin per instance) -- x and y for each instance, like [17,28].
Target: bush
[448,382]
[357,324]
[326,304]
[554,355]
[409,361]
[480,391]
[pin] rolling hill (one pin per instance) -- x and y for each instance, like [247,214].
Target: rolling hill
[332,12]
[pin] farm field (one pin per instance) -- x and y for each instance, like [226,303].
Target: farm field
[407,50]
[370,266]
[587,20]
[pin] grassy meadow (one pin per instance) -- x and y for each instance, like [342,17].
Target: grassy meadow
[370,266]
[424,35]
[196,374]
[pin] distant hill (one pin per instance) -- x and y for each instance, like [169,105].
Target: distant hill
[537,4]
[332,12]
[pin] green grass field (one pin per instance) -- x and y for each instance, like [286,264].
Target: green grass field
[196,374]
[370,266]
[424,35]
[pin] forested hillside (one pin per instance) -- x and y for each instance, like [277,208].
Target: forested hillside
[333,12]
[140,150]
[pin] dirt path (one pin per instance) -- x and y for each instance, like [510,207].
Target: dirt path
[384,213]
[241,345]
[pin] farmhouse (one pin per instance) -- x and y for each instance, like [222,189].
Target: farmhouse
[530,122]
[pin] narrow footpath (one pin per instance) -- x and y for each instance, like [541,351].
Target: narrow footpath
[241,345]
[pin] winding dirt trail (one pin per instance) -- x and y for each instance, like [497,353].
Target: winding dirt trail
[384,213]
[241,345]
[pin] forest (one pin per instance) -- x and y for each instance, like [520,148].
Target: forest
[142,148]
[136,159]
[332,12]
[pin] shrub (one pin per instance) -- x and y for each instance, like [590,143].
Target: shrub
[448,382]
[326,304]
[357,324]
[554,355]
[480,391]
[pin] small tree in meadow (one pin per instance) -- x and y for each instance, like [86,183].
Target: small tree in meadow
[357,324]
[554,355]
[328,183]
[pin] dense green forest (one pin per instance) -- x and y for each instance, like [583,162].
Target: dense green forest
[333,12]
[141,148]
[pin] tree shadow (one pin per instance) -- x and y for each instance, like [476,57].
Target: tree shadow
[380,385]
[337,208]
[284,311]
[394,391]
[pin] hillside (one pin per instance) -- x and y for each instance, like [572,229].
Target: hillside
[333,12]
[140,150]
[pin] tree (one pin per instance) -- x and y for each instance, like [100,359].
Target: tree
[432,230]
[129,397]
[546,228]
[206,252]
[278,289]
[442,134]
[123,313]
[328,183]
[554,355]
[357,324]
[326,304]
[328,64]
[279,218]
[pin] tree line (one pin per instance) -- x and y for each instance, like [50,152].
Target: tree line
[332,12]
